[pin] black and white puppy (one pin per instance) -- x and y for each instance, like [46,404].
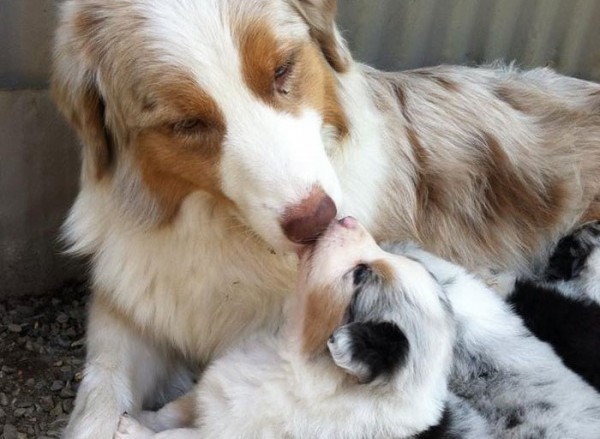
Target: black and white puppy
[562,305]
[516,381]
[365,352]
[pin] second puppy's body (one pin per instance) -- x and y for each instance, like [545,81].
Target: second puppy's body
[516,381]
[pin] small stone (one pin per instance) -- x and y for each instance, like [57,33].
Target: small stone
[23,404]
[30,382]
[8,370]
[67,393]
[78,376]
[62,318]
[2,413]
[47,403]
[56,411]
[14,328]
[56,385]
[3,399]
[78,343]
[66,373]
[20,412]
[21,436]
[67,405]
[58,363]
[9,431]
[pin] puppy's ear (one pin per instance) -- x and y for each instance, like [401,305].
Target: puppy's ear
[75,89]
[320,17]
[369,350]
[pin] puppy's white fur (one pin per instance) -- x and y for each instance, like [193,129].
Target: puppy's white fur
[270,387]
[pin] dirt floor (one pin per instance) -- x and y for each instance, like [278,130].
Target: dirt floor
[41,358]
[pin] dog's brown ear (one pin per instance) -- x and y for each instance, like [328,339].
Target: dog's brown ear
[75,90]
[84,108]
[320,16]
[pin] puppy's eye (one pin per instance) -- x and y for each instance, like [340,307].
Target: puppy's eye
[281,76]
[360,274]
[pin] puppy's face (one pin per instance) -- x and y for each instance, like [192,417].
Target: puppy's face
[374,310]
[234,98]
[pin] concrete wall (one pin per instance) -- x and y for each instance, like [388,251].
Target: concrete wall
[39,153]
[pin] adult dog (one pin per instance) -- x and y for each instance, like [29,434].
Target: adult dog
[220,134]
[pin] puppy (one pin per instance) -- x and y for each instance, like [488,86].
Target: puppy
[365,352]
[562,304]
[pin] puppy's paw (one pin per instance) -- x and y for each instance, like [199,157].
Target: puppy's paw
[129,428]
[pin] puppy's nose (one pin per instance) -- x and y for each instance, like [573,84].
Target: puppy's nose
[304,222]
[348,222]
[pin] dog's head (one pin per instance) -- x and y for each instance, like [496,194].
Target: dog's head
[382,316]
[234,98]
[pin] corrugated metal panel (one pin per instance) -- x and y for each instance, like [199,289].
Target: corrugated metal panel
[402,34]
[26,28]
[391,34]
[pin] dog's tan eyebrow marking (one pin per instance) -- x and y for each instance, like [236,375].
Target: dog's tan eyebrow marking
[187,163]
[312,83]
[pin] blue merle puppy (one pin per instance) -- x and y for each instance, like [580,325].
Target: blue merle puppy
[513,379]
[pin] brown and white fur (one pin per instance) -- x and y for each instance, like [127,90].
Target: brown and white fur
[221,134]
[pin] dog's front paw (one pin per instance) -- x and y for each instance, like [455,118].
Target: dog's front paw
[129,428]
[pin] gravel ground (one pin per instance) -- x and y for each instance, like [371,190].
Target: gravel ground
[41,358]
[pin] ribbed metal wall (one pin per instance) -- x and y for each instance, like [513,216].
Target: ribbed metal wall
[400,34]
[390,34]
